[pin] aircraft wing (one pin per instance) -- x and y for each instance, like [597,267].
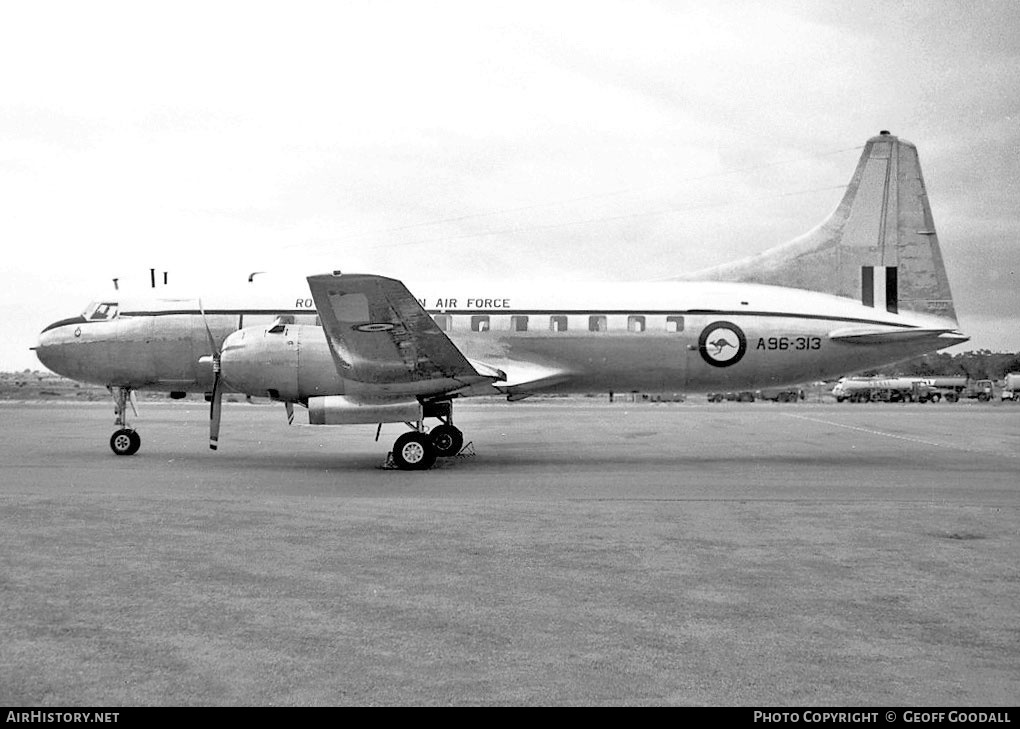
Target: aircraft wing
[384,343]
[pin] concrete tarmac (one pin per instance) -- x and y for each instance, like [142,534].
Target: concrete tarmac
[589,553]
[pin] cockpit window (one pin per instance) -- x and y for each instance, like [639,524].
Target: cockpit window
[101,310]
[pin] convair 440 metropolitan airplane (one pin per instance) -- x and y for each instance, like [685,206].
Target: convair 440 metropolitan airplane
[865,288]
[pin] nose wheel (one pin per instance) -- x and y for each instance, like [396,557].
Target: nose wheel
[125,442]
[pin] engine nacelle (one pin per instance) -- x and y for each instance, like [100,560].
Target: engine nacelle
[289,362]
[339,410]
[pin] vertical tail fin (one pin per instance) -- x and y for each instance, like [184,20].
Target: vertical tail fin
[883,222]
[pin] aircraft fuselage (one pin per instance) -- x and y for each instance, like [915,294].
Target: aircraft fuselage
[658,337]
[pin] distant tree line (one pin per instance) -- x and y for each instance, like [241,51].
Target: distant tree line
[982,364]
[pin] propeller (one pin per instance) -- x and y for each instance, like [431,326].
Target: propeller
[216,402]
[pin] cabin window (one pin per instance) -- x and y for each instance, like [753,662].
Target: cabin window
[557,323]
[519,323]
[480,323]
[442,321]
[635,323]
[674,323]
[597,323]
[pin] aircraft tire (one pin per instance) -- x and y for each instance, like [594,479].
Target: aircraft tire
[414,452]
[125,442]
[446,440]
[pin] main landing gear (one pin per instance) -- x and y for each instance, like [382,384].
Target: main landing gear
[124,441]
[419,449]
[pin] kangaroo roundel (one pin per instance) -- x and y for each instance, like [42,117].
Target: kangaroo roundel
[722,344]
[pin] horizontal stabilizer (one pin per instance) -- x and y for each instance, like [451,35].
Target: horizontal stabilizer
[889,335]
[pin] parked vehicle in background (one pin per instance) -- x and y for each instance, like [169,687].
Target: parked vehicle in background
[981,390]
[911,389]
[885,389]
[787,395]
[1011,387]
[745,396]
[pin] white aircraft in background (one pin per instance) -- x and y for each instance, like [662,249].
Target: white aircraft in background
[864,289]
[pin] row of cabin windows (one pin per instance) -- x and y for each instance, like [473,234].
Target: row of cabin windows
[558,323]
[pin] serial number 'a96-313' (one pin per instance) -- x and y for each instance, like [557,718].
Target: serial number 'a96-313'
[785,343]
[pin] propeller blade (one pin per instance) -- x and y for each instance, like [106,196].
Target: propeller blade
[290,412]
[208,332]
[216,401]
[215,408]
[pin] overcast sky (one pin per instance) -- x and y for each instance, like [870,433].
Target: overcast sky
[589,140]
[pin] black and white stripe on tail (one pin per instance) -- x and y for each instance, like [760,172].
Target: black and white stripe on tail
[878,283]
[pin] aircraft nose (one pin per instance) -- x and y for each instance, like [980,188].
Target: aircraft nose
[44,349]
[52,341]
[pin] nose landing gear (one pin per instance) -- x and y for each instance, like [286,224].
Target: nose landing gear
[125,441]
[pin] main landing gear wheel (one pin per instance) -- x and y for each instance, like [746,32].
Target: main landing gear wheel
[414,452]
[446,440]
[125,442]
